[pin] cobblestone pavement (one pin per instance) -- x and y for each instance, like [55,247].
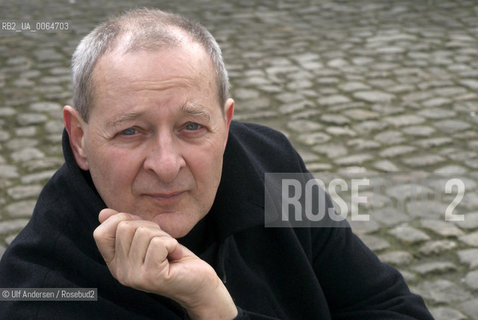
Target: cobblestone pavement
[379,89]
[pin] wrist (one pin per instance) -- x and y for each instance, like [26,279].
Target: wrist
[217,305]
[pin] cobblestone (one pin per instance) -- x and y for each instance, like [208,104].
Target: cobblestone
[334,119]
[340,131]
[450,126]
[355,159]
[390,137]
[470,307]
[386,166]
[396,257]
[443,291]
[434,142]
[40,177]
[21,143]
[396,151]
[12,225]
[419,131]
[30,118]
[471,279]
[389,216]
[362,144]
[469,256]
[438,246]
[405,120]
[23,192]
[360,114]
[444,313]
[20,209]
[8,171]
[367,87]
[470,239]
[375,243]
[444,229]
[424,160]
[436,102]
[330,150]
[374,96]
[434,267]
[314,138]
[409,234]
[367,126]
[333,100]
[470,222]
[27,154]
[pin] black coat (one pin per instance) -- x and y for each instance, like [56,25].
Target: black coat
[271,273]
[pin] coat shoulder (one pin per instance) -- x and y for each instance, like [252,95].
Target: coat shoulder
[267,147]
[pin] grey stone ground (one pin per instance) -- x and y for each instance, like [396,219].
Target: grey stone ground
[382,89]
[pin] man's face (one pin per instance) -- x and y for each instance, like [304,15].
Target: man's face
[156,135]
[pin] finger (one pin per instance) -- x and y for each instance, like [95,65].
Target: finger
[105,235]
[127,250]
[157,253]
[124,237]
[145,231]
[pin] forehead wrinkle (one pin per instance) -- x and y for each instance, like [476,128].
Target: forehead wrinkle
[153,85]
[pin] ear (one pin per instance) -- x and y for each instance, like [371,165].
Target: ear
[75,126]
[228,114]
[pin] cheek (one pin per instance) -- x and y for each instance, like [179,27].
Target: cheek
[113,172]
[206,166]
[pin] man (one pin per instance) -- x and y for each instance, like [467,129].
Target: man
[160,204]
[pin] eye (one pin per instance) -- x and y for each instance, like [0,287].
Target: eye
[129,132]
[193,126]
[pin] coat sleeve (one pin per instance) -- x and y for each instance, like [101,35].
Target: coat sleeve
[356,284]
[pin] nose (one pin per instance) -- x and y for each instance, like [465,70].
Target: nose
[164,158]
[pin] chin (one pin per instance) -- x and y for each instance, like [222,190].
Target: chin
[175,225]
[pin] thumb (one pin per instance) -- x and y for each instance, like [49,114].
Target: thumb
[105,214]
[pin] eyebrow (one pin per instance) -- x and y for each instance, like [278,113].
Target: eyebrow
[195,110]
[125,117]
[187,108]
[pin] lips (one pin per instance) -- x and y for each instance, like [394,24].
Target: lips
[166,197]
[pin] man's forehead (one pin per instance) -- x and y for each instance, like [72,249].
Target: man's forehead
[155,70]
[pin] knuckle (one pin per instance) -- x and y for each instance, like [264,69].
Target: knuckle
[123,216]
[156,242]
[161,240]
[143,230]
[123,226]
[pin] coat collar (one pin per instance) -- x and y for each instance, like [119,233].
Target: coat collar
[239,202]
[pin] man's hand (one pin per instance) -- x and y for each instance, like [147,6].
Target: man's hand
[142,256]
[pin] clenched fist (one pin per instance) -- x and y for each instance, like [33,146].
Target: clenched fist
[142,256]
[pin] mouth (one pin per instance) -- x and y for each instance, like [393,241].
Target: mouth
[166,197]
